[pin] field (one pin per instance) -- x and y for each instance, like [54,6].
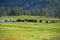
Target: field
[29,30]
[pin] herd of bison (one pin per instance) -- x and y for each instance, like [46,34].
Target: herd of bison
[32,20]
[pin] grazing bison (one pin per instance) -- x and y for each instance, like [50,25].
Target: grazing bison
[19,20]
[13,21]
[49,21]
[40,21]
[46,21]
[5,20]
[32,20]
[10,20]
[52,21]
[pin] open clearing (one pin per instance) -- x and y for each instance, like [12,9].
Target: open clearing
[29,30]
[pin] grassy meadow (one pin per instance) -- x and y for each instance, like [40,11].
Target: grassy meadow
[29,30]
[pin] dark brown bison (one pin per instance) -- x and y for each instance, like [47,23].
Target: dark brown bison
[46,21]
[32,20]
[52,21]
[5,20]
[40,21]
[20,20]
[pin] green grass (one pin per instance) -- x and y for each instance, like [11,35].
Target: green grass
[28,17]
[29,30]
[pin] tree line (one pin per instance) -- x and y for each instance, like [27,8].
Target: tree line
[18,11]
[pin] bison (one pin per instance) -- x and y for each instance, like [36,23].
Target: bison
[20,20]
[52,21]
[32,20]
[46,21]
[40,21]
